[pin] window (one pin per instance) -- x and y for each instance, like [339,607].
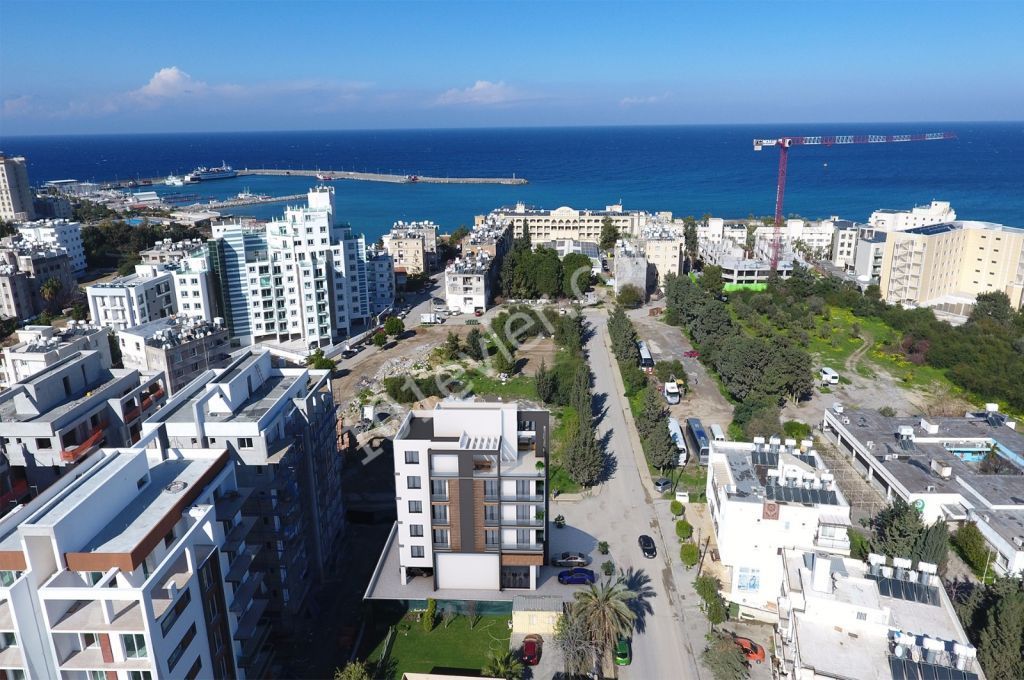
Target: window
[412,457]
[134,646]
[413,482]
[749,580]
[416,530]
[139,675]
[245,442]
[7,577]
[439,513]
[439,487]
[97,675]
[193,672]
[491,537]
[172,616]
[416,551]
[862,616]
[182,645]
[8,640]
[42,443]
[142,481]
[415,506]
[440,537]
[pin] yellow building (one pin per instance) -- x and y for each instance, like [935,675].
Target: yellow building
[945,266]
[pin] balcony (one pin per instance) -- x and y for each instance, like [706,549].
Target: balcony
[146,403]
[522,522]
[521,498]
[523,547]
[93,442]
[245,593]
[87,616]
[841,543]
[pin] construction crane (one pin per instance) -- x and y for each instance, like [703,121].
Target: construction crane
[785,142]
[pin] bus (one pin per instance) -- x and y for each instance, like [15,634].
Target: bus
[646,362]
[699,439]
[676,433]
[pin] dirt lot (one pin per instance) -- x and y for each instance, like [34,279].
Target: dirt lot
[535,352]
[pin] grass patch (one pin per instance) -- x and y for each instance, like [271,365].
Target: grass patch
[691,478]
[454,647]
[516,387]
[565,421]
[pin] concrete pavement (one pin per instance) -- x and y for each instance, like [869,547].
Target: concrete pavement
[670,632]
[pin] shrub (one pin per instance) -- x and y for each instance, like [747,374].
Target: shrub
[430,614]
[684,529]
[971,546]
[887,411]
[796,429]
[860,546]
[630,296]
[608,568]
[676,507]
[689,553]
[602,547]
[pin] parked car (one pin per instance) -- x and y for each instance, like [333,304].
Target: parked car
[623,654]
[577,577]
[753,651]
[661,485]
[531,650]
[570,559]
[647,546]
[691,353]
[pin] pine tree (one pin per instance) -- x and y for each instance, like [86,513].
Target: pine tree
[652,414]
[546,385]
[583,459]
[660,449]
[896,529]
[933,545]
[475,345]
[1000,640]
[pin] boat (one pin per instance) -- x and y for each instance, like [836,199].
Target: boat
[246,195]
[203,173]
[174,181]
[410,179]
[323,177]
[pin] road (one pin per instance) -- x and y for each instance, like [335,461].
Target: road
[618,512]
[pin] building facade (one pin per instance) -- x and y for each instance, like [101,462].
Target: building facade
[58,233]
[471,493]
[131,300]
[664,248]
[631,268]
[195,286]
[413,247]
[15,193]
[570,223]
[168,252]
[39,347]
[181,347]
[936,212]
[469,283]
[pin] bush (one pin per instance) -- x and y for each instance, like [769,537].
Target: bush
[684,529]
[689,553]
[971,546]
[602,547]
[796,429]
[430,614]
[630,296]
[676,508]
[860,545]
[887,411]
[608,568]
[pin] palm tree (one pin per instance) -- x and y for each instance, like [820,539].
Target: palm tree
[504,665]
[606,611]
[50,289]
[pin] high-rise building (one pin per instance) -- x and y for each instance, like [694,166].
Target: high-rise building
[471,492]
[15,194]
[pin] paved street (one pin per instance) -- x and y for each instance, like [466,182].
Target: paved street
[670,635]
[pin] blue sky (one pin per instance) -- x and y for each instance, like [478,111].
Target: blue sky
[98,67]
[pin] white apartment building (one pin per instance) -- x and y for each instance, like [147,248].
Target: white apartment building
[380,282]
[468,283]
[167,252]
[15,193]
[631,267]
[764,496]
[131,300]
[839,618]
[471,493]
[57,233]
[56,418]
[193,286]
[664,246]
[39,347]
[412,246]
[935,465]
[570,223]
[180,347]
[134,567]
[844,244]
[737,269]
[935,212]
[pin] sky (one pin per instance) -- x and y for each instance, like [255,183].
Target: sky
[110,67]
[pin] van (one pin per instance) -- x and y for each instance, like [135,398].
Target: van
[828,376]
[716,433]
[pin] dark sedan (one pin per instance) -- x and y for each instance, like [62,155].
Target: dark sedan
[647,546]
[577,577]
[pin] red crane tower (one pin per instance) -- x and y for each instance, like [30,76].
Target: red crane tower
[785,142]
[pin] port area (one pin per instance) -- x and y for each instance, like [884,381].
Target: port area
[333,175]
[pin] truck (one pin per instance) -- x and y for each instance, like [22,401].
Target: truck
[671,391]
[429,318]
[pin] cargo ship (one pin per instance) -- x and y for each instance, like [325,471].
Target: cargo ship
[202,173]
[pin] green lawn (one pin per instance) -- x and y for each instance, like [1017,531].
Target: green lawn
[691,477]
[517,387]
[565,420]
[454,647]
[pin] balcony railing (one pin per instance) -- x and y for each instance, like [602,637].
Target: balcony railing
[521,498]
[522,546]
[523,522]
[834,542]
[147,401]
[88,446]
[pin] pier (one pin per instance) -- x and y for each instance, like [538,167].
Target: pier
[384,177]
[236,202]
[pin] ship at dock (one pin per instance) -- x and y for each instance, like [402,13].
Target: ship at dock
[202,174]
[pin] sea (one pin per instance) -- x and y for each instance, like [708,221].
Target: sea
[687,170]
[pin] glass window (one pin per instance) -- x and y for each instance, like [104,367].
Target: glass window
[440,537]
[134,646]
[416,551]
[416,530]
[139,675]
[413,482]
[439,487]
[412,456]
[415,506]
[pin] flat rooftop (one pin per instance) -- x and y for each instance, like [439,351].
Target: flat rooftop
[9,413]
[747,466]
[262,400]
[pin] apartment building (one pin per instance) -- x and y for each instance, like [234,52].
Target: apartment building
[737,269]
[278,425]
[945,266]
[63,234]
[51,421]
[471,493]
[570,223]
[844,244]
[957,470]
[128,301]
[491,236]
[39,347]
[380,282]
[134,567]
[24,269]
[53,206]
[15,193]
[168,252]
[301,281]
[413,247]
[631,267]
[180,346]
[767,495]
[195,289]
[664,247]
[936,212]
[469,283]
[840,618]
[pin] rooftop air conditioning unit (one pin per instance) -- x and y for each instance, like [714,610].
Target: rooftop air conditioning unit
[1018,541]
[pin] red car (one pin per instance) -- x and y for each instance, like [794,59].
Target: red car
[531,650]
[753,651]
[692,353]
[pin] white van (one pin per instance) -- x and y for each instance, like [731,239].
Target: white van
[717,434]
[828,376]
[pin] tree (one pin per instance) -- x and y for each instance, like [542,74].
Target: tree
[394,326]
[724,658]
[354,670]
[545,270]
[690,239]
[652,413]
[576,271]
[994,306]
[932,545]
[475,344]
[630,296]
[505,665]
[896,530]
[573,639]
[689,553]
[458,234]
[318,361]
[451,347]
[710,280]
[546,383]
[606,613]
[582,458]
[50,291]
[999,644]
[660,449]
[609,234]
[972,547]
[430,615]
[380,338]
[684,530]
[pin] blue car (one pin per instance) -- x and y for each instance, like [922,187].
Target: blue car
[577,577]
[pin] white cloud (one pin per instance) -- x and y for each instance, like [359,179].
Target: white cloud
[642,101]
[19,106]
[170,82]
[482,93]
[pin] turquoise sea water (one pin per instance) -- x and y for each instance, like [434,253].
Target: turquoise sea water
[687,170]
